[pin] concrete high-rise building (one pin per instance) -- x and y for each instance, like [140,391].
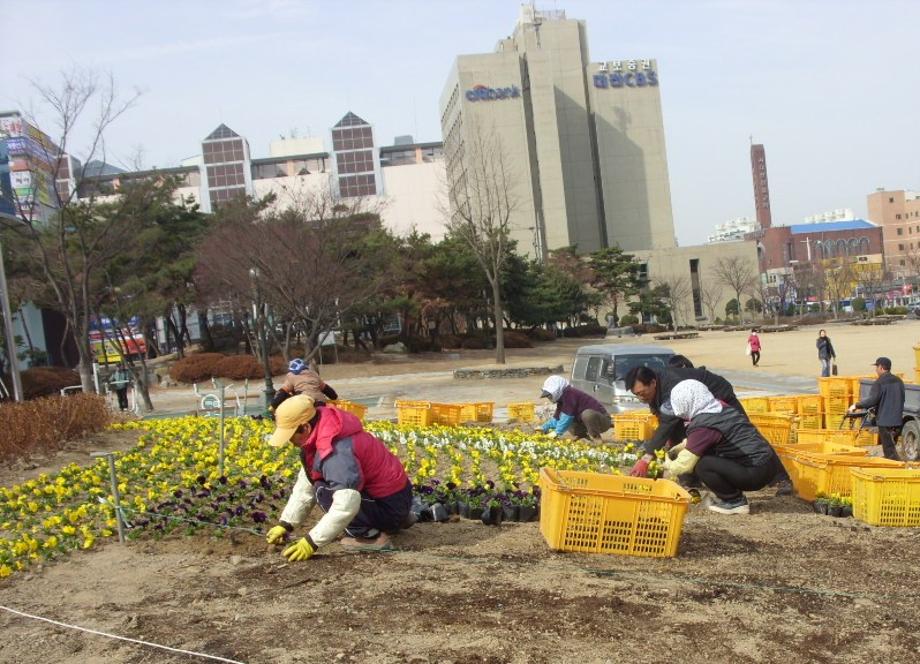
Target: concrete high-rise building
[584,141]
[761,186]
[898,213]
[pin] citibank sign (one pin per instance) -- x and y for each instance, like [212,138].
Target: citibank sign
[639,79]
[483,93]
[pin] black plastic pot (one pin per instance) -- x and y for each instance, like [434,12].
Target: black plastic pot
[492,516]
[439,513]
[527,513]
[821,507]
[510,512]
[847,510]
[835,510]
[463,509]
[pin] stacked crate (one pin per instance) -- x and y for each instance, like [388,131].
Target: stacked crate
[811,411]
[837,395]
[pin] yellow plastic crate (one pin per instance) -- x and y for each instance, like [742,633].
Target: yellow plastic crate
[867,437]
[595,513]
[887,496]
[450,414]
[523,411]
[830,473]
[788,405]
[810,404]
[837,436]
[787,452]
[476,412]
[414,412]
[631,428]
[917,375]
[356,409]
[755,404]
[775,427]
[811,422]
[836,406]
[835,386]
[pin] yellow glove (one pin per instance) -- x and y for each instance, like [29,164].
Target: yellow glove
[552,434]
[276,535]
[302,549]
[673,452]
[684,463]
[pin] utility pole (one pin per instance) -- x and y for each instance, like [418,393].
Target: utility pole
[8,331]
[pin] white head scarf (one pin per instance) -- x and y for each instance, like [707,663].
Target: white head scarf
[555,385]
[690,398]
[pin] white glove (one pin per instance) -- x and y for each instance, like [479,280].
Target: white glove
[683,464]
[679,447]
[345,506]
[301,501]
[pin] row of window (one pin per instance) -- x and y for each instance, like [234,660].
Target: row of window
[223,195]
[907,215]
[351,143]
[228,175]
[357,185]
[910,229]
[222,151]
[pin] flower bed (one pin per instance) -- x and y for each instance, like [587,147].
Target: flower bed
[170,481]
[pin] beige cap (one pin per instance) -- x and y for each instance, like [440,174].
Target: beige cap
[291,414]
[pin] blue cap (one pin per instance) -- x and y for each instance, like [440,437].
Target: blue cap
[296,366]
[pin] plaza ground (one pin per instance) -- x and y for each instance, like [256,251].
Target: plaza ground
[783,584]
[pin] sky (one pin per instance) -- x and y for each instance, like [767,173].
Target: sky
[830,87]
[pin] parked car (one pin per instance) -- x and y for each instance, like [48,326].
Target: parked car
[600,370]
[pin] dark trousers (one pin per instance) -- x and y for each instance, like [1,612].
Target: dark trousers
[122,393]
[376,514]
[591,425]
[887,436]
[755,357]
[728,479]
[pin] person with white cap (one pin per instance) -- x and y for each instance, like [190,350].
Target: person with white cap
[575,410]
[355,479]
[301,379]
[725,451]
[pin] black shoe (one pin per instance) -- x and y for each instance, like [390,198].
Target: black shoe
[737,506]
[783,488]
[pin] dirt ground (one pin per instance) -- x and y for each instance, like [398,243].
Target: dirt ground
[782,585]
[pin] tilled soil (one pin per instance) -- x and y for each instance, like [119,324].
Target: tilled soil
[782,585]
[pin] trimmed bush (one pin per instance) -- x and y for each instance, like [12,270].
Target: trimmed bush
[474,343]
[449,341]
[515,339]
[47,381]
[238,367]
[628,319]
[195,368]
[541,334]
[45,424]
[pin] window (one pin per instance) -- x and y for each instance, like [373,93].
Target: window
[593,369]
[891,199]
[900,231]
[626,362]
[902,263]
[900,247]
[897,216]
[227,175]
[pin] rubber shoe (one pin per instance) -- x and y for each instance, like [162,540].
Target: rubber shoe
[737,506]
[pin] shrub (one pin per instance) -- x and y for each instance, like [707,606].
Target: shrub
[649,328]
[628,319]
[238,367]
[449,341]
[43,425]
[195,368]
[474,343]
[541,334]
[515,339]
[47,381]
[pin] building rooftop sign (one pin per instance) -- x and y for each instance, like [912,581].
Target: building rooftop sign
[625,74]
[485,93]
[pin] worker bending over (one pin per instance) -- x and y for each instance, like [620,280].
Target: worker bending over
[575,410]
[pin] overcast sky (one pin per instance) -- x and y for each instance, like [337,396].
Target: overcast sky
[831,87]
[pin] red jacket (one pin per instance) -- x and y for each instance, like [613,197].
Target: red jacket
[341,453]
[754,340]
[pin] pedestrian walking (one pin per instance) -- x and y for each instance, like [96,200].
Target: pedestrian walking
[120,382]
[826,354]
[753,346]
[887,398]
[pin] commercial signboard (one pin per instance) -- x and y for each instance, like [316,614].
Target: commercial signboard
[7,202]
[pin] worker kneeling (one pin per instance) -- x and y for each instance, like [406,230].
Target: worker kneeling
[723,449]
[356,480]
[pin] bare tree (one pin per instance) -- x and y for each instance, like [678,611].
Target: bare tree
[676,290]
[481,201]
[711,295]
[872,279]
[738,275]
[839,278]
[70,247]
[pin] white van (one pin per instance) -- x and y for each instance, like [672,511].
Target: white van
[600,370]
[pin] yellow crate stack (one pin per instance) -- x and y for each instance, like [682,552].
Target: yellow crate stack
[785,404]
[356,409]
[636,425]
[886,496]
[417,413]
[755,404]
[597,513]
[522,411]
[775,427]
[830,473]
[477,412]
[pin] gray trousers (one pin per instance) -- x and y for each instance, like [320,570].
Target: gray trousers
[591,424]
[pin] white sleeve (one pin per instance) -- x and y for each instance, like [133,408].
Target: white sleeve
[301,501]
[345,506]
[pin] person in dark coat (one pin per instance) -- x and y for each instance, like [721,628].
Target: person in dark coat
[887,398]
[575,410]
[654,388]
[723,449]
[826,353]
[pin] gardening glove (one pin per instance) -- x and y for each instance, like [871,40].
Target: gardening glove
[302,549]
[346,503]
[684,463]
[278,534]
[641,468]
[676,449]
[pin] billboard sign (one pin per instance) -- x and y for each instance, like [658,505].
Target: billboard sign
[7,203]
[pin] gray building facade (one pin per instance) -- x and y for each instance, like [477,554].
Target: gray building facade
[586,140]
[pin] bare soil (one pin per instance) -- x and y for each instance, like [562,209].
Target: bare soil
[782,585]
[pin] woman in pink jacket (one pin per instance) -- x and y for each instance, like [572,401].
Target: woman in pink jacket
[754,344]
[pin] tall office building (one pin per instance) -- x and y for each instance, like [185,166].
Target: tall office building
[584,141]
[761,186]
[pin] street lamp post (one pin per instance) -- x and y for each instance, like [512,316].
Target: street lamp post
[260,319]
[8,332]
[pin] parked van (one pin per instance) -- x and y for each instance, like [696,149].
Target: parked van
[600,370]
